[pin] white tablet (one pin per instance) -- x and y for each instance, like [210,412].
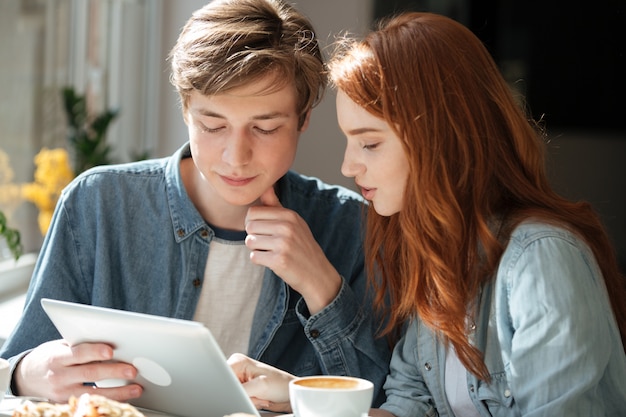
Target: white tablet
[181,367]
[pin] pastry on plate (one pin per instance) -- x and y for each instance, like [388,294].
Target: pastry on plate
[87,405]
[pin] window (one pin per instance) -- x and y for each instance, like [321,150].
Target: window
[107,50]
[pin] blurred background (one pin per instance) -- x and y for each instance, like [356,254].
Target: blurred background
[567,58]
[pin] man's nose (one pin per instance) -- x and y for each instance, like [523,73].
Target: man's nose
[238,149]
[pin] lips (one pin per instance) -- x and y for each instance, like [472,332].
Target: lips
[367,193]
[236,181]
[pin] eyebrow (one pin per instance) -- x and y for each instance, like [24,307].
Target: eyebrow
[362,130]
[268,116]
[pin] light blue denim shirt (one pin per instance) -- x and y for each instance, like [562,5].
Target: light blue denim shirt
[549,338]
[129,237]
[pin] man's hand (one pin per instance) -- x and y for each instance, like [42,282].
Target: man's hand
[282,241]
[268,387]
[56,371]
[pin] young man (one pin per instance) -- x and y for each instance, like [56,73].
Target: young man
[221,232]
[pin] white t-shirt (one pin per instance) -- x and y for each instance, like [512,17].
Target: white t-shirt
[230,292]
[455,381]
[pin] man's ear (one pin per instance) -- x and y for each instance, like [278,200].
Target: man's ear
[305,122]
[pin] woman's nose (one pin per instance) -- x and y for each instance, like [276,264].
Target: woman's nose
[349,167]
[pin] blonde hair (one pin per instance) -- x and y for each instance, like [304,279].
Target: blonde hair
[231,43]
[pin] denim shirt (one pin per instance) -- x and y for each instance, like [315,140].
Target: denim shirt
[549,338]
[129,237]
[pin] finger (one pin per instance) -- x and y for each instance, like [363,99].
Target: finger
[123,393]
[256,387]
[261,242]
[269,198]
[259,255]
[239,364]
[90,352]
[262,387]
[284,407]
[106,372]
[260,404]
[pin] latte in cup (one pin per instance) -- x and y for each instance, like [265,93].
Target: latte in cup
[330,382]
[330,396]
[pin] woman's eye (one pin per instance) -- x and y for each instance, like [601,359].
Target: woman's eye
[371,146]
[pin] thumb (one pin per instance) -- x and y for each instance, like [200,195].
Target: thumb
[269,198]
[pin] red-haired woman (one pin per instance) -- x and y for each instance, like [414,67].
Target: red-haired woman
[511,295]
[504,281]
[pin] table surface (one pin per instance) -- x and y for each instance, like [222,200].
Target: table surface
[10,403]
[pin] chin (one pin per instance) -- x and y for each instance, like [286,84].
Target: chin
[242,201]
[239,199]
[384,209]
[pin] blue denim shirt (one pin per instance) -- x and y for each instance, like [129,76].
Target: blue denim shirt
[129,237]
[549,338]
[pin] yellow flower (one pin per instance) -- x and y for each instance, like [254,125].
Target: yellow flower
[43,220]
[52,173]
[39,195]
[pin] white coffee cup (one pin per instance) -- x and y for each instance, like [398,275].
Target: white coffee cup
[5,376]
[330,396]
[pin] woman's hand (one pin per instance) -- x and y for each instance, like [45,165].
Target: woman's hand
[268,387]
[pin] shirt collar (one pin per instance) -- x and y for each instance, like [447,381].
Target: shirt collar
[186,219]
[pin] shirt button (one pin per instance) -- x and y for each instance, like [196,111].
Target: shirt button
[197,282]
[427,366]
[314,333]
[507,393]
[471,388]
[204,233]
[180,232]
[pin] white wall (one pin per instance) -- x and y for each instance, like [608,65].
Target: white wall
[321,148]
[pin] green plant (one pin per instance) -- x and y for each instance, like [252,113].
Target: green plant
[12,237]
[86,134]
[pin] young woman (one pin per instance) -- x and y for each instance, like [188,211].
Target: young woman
[501,283]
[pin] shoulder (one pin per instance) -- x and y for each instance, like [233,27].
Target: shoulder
[121,173]
[146,168]
[530,231]
[537,235]
[539,248]
[116,182]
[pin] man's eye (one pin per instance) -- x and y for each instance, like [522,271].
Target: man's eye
[204,129]
[266,132]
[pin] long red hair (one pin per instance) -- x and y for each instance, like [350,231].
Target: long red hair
[475,159]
